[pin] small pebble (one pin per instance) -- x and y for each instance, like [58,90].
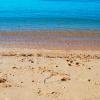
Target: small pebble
[89,80]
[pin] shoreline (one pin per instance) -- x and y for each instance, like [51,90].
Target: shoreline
[61,40]
[64,32]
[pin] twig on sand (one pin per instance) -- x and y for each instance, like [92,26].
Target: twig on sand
[47,78]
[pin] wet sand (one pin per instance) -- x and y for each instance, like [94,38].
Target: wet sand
[51,40]
[45,72]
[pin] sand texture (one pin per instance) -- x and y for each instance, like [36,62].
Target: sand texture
[30,74]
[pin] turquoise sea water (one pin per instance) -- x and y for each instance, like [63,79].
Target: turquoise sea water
[28,15]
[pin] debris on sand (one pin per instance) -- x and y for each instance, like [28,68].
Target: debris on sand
[39,55]
[14,67]
[77,63]
[89,80]
[30,60]
[65,79]
[2,80]
[69,65]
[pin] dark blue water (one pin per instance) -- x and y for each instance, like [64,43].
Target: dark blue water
[28,15]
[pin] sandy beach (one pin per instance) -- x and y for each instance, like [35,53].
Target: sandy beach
[41,73]
[49,49]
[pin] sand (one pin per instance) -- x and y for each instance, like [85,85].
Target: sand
[58,40]
[44,65]
[42,74]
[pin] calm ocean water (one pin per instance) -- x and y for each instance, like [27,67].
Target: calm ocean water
[28,15]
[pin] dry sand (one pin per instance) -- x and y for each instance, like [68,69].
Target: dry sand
[30,74]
